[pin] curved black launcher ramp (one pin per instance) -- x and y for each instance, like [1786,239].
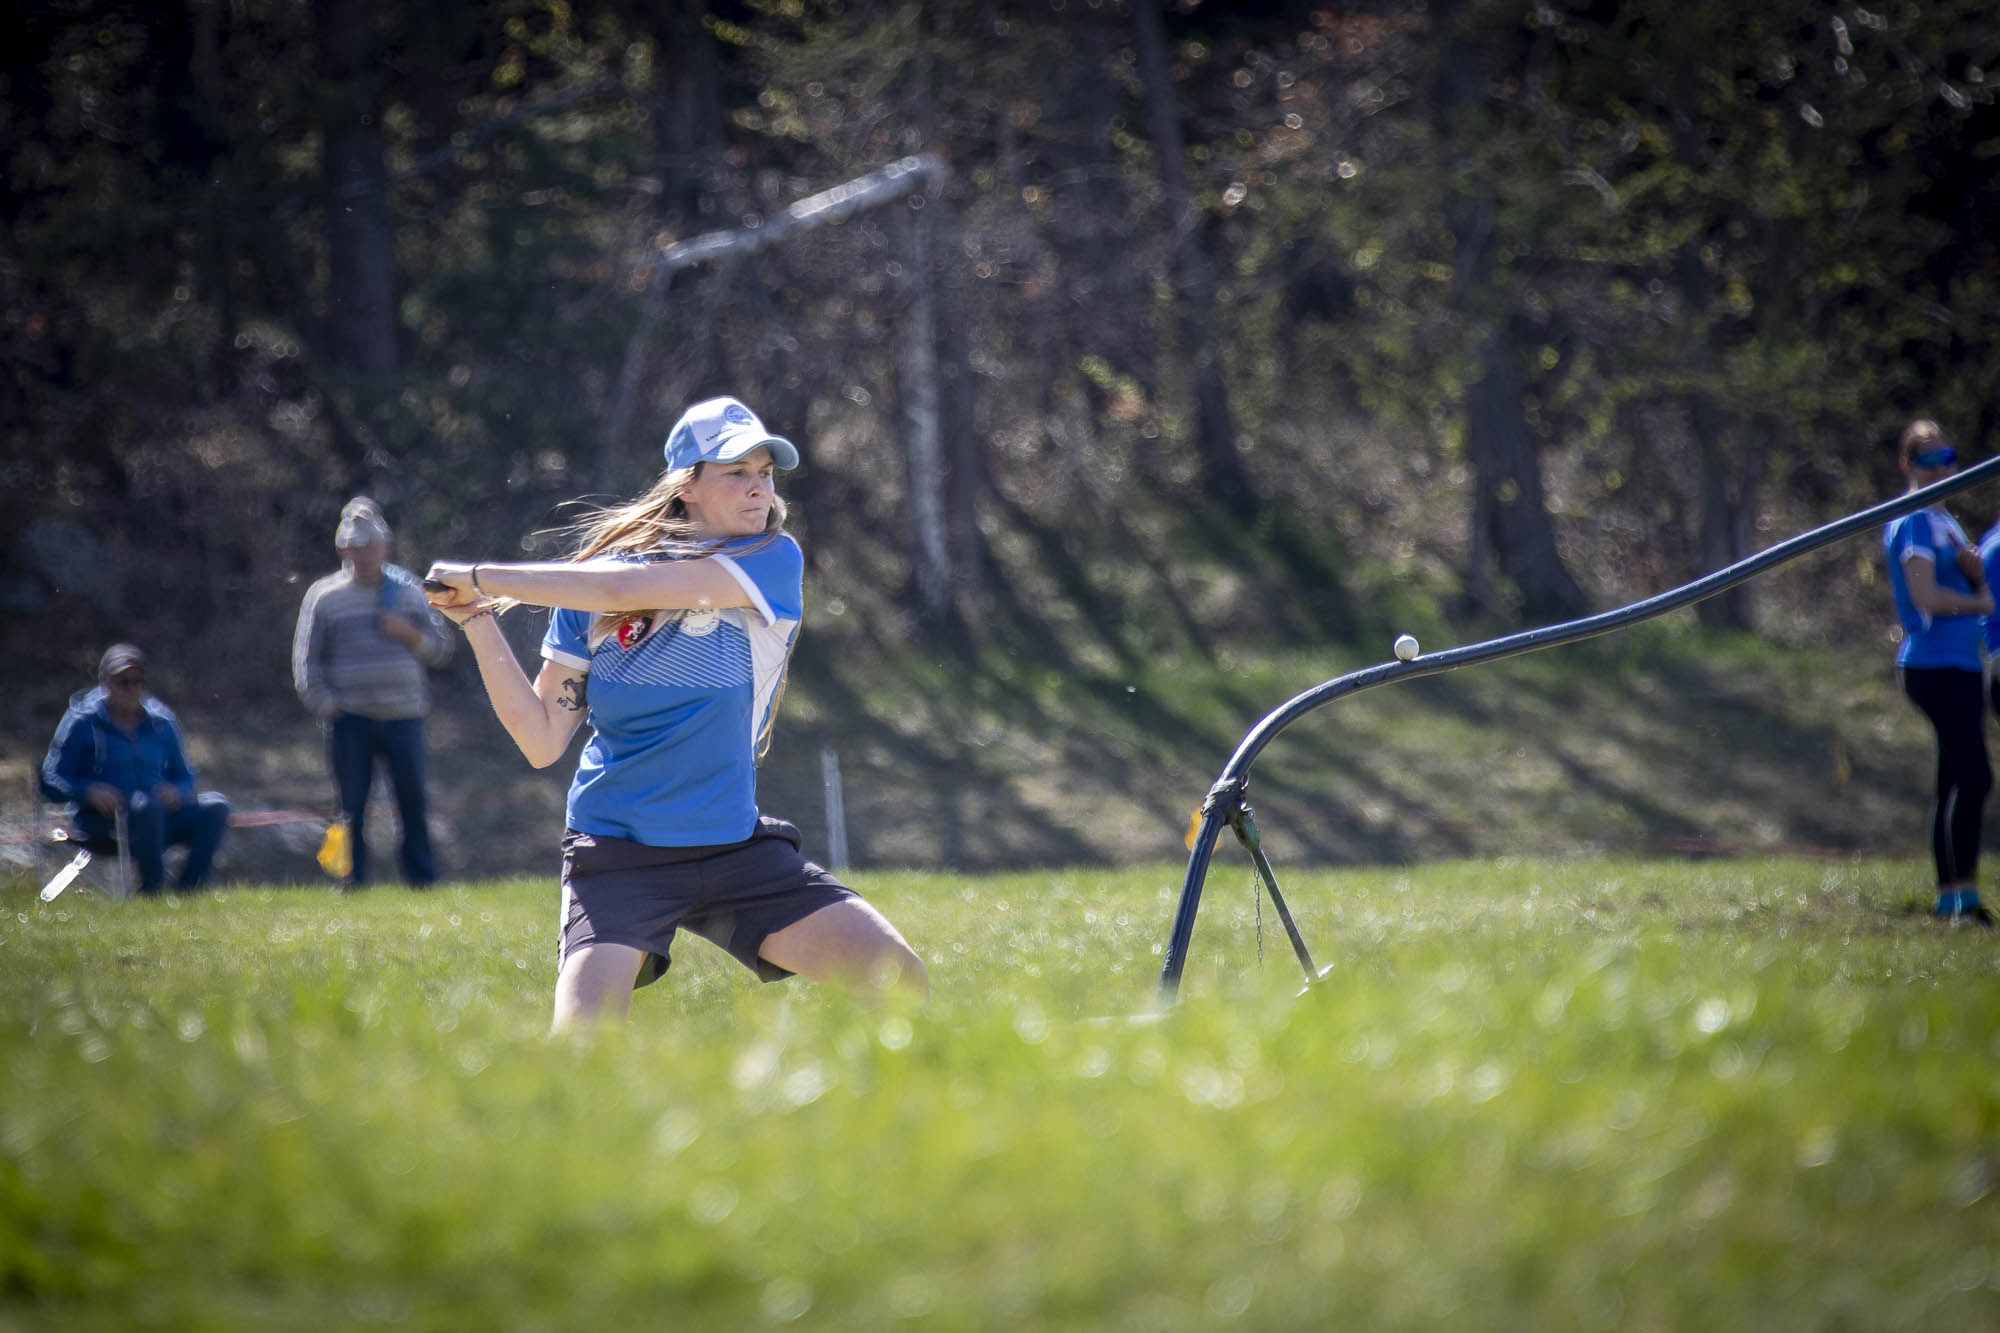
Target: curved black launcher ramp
[1227,803]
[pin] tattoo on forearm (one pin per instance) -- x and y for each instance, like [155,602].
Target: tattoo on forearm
[572,695]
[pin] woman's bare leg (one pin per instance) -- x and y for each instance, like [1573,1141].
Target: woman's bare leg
[596,983]
[853,946]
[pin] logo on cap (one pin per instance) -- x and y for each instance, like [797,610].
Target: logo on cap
[738,415]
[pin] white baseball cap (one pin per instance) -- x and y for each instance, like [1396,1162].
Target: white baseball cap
[722,430]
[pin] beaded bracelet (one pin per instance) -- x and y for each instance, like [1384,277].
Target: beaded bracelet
[484,611]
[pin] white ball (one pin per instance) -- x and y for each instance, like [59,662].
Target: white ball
[1406,646]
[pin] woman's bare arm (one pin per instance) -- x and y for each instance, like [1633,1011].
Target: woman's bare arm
[599,585]
[1935,600]
[542,716]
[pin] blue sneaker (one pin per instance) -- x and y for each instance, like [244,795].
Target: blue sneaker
[1975,915]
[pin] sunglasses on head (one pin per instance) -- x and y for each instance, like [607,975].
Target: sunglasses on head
[1944,456]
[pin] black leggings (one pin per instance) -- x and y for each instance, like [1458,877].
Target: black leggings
[1954,701]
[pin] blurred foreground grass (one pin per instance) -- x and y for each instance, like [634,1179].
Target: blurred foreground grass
[1563,1094]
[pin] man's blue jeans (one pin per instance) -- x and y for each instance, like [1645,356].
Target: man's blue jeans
[352,745]
[152,828]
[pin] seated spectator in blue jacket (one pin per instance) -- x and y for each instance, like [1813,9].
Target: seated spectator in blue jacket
[120,748]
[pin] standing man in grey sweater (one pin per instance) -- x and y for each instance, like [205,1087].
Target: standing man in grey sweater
[364,638]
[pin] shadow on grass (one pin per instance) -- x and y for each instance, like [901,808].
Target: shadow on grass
[1655,745]
[1743,768]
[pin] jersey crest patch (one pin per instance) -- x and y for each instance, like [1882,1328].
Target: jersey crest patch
[633,629]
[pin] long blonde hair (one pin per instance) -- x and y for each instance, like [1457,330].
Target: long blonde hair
[657,524]
[654,523]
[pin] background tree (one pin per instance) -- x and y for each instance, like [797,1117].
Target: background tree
[1511,307]
[1223,477]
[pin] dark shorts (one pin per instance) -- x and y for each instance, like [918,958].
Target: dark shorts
[735,895]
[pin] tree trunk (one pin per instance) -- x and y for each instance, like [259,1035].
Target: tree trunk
[218,240]
[1725,509]
[1223,474]
[688,129]
[1512,540]
[962,445]
[1107,280]
[1728,509]
[1725,516]
[360,293]
[688,140]
[1511,532]
[923,444]
[360,234]
[965,446]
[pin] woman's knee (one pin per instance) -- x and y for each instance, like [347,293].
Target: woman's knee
[889,966]
[852,945]
[910,977]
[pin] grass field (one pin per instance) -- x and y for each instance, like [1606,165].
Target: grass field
[1531,1095]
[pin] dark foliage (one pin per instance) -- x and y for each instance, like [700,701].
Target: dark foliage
[1496,311]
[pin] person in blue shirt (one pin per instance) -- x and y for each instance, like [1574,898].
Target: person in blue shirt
[119,749]
[673,626]
[1942,599]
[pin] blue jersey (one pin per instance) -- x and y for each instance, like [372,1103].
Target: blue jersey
[1932,641]
[678,701]
[1989,556]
